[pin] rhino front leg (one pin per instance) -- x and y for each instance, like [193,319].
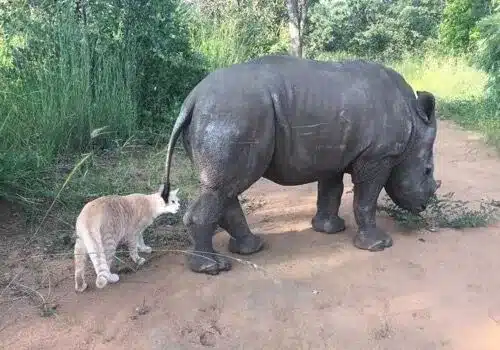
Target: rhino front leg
[329,196]
[369,236]
[242,240]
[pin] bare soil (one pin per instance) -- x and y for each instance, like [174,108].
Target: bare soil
[306,290]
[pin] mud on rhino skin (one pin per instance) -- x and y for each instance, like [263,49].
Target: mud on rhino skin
[296,121]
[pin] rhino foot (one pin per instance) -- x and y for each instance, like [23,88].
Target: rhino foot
[209,263]
[374,240]
[248,245]
[332,224]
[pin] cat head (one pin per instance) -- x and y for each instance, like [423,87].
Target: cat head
[172,205]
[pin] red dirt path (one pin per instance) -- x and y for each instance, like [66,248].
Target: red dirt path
[310,290]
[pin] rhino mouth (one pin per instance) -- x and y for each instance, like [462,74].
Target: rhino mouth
[419,209]
[413,208]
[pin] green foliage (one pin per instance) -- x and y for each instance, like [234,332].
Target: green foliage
[458,31]
[371,28]
[122,66]
[225,32]
[488,57]
[449,78]
[459,89]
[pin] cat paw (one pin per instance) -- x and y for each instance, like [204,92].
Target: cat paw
[80,287]
[140,261]
[113,278]
[101,281]
[146,249]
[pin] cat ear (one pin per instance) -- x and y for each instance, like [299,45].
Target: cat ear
[160,190]
[174,192]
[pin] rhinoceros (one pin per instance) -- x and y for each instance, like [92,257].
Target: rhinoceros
[296,121]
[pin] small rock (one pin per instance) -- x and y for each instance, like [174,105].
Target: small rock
[494,314]
[433,227]
[207,339]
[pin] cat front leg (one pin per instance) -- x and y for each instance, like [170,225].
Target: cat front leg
[142,247]
[134,254]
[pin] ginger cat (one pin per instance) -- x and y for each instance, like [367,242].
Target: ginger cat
[106,221]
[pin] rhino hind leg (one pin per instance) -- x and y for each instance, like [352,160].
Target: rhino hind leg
[218,205]
[327,217]
[242,240]
[201,220]
[369,236]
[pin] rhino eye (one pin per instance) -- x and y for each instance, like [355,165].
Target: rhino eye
[428,170]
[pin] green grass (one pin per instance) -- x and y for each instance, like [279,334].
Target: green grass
[61,79]
[459,89]
[442,212]
[447,77]
[222,44]
[236,36]
[134,168]
[51,108]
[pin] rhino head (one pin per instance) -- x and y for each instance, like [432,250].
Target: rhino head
[411,184]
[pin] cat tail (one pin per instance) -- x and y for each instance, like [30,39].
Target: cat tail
[95,250]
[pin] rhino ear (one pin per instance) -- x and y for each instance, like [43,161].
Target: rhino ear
[427,102]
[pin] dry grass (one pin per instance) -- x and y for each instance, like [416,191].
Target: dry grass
[36,249]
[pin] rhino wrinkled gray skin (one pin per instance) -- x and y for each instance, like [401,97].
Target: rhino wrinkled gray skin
[296,121]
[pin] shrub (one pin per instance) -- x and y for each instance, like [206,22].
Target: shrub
[487,57]
[122,66]
[370,28]
[458,30]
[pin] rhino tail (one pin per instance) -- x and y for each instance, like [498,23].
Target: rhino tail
[183,119]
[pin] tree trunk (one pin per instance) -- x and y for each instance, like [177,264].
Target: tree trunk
[297,13]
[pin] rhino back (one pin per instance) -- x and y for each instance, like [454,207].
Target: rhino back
[231,134]
[324,115]
[331,114]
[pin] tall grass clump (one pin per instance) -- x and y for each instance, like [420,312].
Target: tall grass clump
[227,33]
[459,88]
[447,77]
[120,67]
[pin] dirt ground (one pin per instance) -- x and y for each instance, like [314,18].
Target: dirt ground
[307,290]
